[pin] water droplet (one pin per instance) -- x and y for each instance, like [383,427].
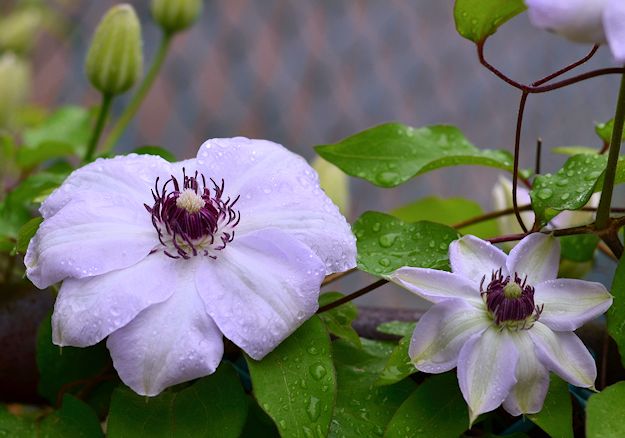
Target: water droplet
[312,409]
[384,262]
[317,371]
[387,240]
[545,194]
[387,178]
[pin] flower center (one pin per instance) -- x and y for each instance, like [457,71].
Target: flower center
[510,301]
[191,219]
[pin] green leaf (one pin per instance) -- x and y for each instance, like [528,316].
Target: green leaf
[449,212]
[214,406]
[574,150]
[397,328]
[34,188]
[75,419]
[616,313]
[385,243]
[362,408]
[556,416]
[70,125]
[14,426]
[436,406]
[390,154]
[25,233]
[295,383]
[605,412]
[156,150]
[604,130]
[69,367]
[258,423]
[579,248]
[338,321]
[478,19]
[572,186]
[399,366]
[29,157]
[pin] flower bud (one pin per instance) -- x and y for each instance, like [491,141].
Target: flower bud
[334,182]
[176,15]
[114,61]
[502,200]
[19,30]
[15,78]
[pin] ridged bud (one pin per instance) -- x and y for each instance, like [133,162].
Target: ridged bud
[18,30]
[334,182]
[15,79]
[115,60]
[176,15]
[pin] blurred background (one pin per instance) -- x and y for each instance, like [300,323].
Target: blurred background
[306,72]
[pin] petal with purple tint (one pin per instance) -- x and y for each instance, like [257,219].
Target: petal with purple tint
[475,258]
[486,370]
[88,238]
[564,354]
[259,290]
[436,286]
[528,395]
[613,19]
[88,310]
[571,303]
[442,331]
[278,189]
[168,343]
[577,20]
[537,256]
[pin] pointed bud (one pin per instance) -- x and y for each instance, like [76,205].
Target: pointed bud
[334,182]
[15,81]
[176,15]
[114,61]
[19,30]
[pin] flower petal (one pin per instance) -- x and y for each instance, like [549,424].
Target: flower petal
[613,19]
[88,310]
[537,256]
[475,258]
[130,177]
[570,303]
[258,291]
[436,286]
[278,189]
[564,354]
[577,20]
[168,343]
[486,370]
[528,395]
[441,332]
[89,238]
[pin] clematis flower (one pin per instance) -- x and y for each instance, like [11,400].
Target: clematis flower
[584,21]
[166,258]
[504,321]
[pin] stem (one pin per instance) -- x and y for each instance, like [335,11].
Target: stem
[137,99]
[539,151]
[517,151]
[352,296]
[491,215]
[568,67]
[99,126]
[333,277]
[603,212]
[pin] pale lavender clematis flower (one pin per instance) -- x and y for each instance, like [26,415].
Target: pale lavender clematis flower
[504,321]
[165,258]
[585,21]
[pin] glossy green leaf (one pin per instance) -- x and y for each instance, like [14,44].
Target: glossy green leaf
[25,233]
[68,367]
[34,188]
[390,154]
[605,413]
[338,321]
[579,248]
[75,419]
[616,313]
[449,211]
[296,384]
[556,416]
[398,366]
[214,406]
[574,150]
[604,130]
[156,150]
[572,186]
[397,328]
[435,407]
[386,243]
[362,408]
[69,125]
[478,19]
[258,423]
[29,157]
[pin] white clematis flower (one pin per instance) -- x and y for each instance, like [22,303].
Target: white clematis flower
[504,321]
[584,21]
[165,258]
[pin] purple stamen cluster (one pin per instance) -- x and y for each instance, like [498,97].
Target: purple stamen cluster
[200,231]
[506,307]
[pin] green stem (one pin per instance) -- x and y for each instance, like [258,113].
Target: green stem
[137,99]
[99,126]
[603,211]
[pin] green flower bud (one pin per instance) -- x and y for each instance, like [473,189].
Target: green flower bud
[115,60]
[176,15]
[15,79]
[19,29]
[334,182]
